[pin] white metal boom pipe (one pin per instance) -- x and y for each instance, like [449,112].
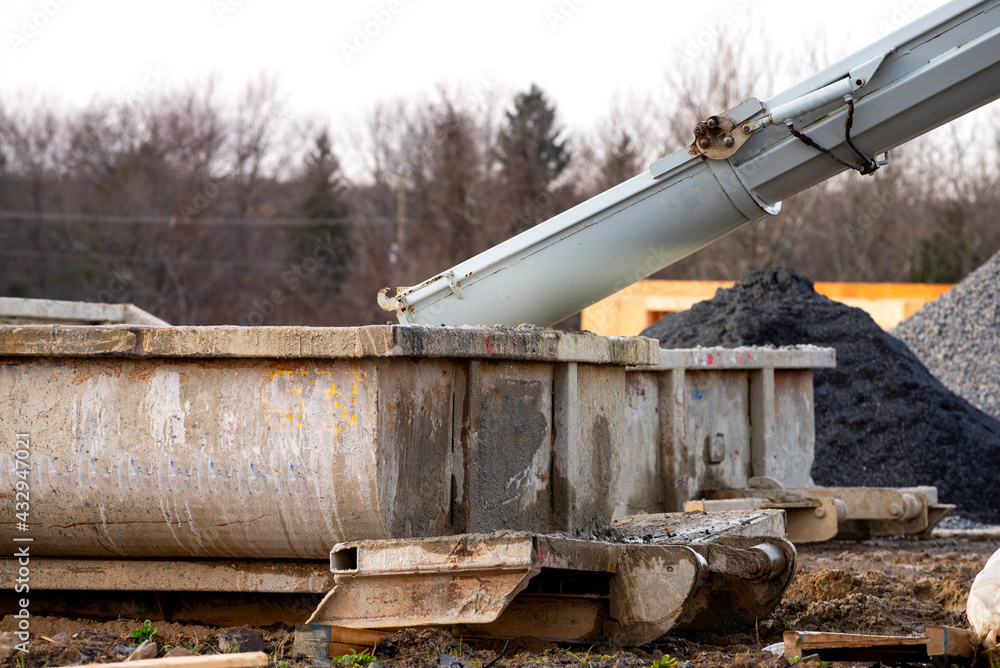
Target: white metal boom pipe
[935,69]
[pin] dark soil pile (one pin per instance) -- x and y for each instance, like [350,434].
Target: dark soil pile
[881,418]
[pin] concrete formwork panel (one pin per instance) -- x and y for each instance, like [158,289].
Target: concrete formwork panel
[509,441]
[281,442]
[590,437]
[641,487]
[20,311]
[712,418]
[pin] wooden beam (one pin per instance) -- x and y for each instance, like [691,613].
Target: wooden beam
[813,640]
[949,641]
[938,641]
[239,660]
[326,641]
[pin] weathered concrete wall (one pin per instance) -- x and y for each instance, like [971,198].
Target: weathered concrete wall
[711,418]
[281,442]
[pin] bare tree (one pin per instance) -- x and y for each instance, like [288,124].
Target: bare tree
[623,144]
[259,120]
[31,138]
[965,185]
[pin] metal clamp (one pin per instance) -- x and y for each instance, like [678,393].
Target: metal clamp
[453,285]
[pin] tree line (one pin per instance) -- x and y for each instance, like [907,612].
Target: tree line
[208,212]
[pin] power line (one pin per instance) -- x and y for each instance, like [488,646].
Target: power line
[178,221]
[153,261]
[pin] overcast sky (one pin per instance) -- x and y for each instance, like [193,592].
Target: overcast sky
[335,59]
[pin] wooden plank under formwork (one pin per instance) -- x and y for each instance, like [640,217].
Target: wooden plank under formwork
[239,660]
[324,641]
[937,642]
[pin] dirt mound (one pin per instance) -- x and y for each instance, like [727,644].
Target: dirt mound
[857,613]
[823,585]
[872,602]
[881,418]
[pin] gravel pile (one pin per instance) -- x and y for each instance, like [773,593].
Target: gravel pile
[881,418]
[957,336]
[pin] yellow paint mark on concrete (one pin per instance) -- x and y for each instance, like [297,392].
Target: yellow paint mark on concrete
[286,372]
[283,406]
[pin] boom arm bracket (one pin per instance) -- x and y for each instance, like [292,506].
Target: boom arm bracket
[720,136]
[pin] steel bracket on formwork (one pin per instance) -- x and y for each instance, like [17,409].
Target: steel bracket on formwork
[750,563]
[518,584]
[817,514]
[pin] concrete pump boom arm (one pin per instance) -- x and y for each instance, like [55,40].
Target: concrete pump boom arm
[742,163]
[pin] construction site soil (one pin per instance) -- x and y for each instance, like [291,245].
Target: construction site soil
[882,586]
[882,419]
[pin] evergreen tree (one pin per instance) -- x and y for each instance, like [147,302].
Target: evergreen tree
[326,240]
[621,162]
[323,182]
[532,156]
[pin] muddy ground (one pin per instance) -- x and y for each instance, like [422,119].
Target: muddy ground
[881,586]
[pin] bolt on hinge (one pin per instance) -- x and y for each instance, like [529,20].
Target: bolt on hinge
[718,137]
